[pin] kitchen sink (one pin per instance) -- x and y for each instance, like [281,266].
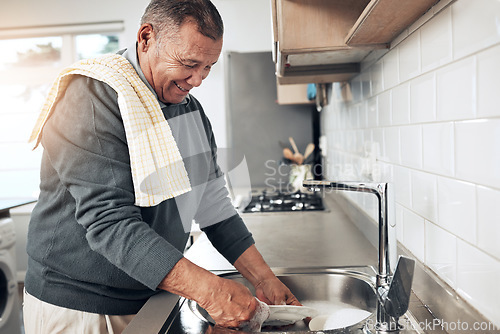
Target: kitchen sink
[327,289]
[379,299]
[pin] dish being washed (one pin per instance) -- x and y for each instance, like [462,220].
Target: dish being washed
[282,315]
[339,319]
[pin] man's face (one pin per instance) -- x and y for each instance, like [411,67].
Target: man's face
[176,65]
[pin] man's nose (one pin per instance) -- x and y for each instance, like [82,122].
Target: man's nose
[195,79]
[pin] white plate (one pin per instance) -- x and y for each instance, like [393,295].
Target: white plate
[281,315]
[339,319]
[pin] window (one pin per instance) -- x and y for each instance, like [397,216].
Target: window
[88,46]
[28,67]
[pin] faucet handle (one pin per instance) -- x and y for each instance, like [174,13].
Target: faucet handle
[396,299]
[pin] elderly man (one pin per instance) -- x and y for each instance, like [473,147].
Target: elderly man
[102,239]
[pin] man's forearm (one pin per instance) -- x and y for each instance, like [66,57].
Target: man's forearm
[186,279]
[252,266]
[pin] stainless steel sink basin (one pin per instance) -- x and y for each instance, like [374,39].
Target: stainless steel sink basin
[326,289]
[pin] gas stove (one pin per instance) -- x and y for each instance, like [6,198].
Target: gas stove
[284,202]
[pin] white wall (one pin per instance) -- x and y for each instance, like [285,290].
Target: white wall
[431,107]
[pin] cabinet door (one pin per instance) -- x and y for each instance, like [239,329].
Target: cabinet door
[309,40]
[384,20]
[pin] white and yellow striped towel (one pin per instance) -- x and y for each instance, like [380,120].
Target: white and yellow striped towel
[158,171]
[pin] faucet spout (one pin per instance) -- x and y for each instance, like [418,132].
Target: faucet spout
[387,246]
[390,309]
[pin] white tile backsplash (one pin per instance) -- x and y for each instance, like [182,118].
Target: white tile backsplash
[363,115]
[384,109]
[402,186]
[377,78]
[423,194]
[390,69]
[475,25]
[435,37]
[437,122]
[477,149]
[488,79]
[399,222]
[478,275]
[356,89]
[415,26]
[372,112]
[456,90]
[457,208]
[354,115]
[423,99]
[392,145]
[488,220]
[441,252]
[377,142]
[411,145]
[401,104]
[414,233]
[439,148]
[366,84]
[409,57]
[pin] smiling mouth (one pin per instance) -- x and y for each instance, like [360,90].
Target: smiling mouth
[182,89]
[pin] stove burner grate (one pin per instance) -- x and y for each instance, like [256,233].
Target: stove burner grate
[285,202]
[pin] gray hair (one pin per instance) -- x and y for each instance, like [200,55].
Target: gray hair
[167,16]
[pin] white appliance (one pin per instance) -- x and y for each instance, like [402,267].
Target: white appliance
[10,320]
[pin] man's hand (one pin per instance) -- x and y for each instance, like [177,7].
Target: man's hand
[268,287]
[230,304]
[273,292]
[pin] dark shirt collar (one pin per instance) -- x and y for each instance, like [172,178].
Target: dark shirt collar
[131,55]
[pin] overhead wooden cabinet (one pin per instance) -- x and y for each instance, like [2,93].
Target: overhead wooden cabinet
[320,41]
[309,36]
[384,20]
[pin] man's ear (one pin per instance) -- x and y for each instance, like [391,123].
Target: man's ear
[144,36]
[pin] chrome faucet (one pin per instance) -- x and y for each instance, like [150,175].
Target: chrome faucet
[394,277]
